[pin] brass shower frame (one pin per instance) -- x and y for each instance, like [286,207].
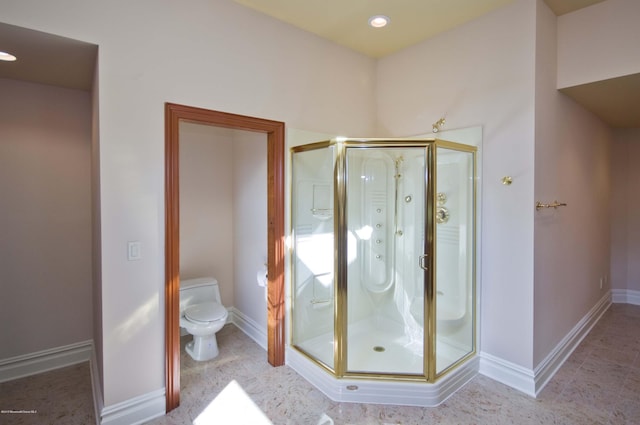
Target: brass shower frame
[340,321]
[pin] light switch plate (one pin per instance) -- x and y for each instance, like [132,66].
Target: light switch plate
[134,251]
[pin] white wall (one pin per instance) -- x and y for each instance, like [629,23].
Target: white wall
[482,74]
[625,210]
[45,218]
[250,224]
[206,206]
[598,42]
[572,151]
[96,235]
[212,54]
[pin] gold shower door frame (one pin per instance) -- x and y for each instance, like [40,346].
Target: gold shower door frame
[340,345]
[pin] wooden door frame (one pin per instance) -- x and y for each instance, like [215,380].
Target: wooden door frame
[274,130]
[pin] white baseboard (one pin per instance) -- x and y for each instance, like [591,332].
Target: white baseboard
[511,374]
[531,382]
[625,296]
[554,360]
[248,326]
[45,360]
[136,410]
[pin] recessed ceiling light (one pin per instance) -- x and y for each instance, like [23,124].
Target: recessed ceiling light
[4,56]
[379,21]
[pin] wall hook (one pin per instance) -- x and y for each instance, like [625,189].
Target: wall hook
[507,180]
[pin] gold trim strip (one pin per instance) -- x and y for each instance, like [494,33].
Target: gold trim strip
[315,360]
[456,146]
[397,377]
[430,274]
[340,259]
[311,146]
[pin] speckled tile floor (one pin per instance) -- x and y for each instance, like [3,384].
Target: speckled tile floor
[599,384]
[62,396]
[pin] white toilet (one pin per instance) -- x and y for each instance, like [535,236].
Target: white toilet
[202,315]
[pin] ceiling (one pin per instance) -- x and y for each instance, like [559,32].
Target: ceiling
[615,101]
[50,59]
[47,59]
[412,21]
[346,22]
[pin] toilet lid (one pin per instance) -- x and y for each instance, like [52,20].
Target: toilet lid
[205,312]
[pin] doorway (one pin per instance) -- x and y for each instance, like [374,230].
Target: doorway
[174,114]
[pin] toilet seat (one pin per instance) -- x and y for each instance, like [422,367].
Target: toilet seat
[205,313]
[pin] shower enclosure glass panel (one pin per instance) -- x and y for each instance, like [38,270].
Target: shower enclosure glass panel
[385,202]
[455,254]
[383,264]
[313,256]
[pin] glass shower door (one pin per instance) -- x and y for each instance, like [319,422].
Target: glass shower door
[455,254]
[313,253]
[385,221]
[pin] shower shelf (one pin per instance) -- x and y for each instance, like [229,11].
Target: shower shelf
[322,213]
[322,280]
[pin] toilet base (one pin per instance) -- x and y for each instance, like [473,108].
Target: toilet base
[202,348]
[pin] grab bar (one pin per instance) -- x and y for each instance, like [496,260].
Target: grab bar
[555,204]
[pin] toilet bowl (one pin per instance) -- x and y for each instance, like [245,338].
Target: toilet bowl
[201,315]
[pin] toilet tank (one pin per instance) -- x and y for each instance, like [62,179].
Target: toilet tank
[199,290]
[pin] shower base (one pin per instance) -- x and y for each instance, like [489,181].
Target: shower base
[379,346]
[399,356]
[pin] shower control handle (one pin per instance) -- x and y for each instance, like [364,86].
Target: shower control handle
[422,262]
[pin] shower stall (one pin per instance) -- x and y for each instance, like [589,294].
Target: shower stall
[383,257]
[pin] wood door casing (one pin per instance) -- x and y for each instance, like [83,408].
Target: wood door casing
[274,130]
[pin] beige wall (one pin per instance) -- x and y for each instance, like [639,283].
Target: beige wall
[45,217]
[96,237]
[479,74]
[155,52]
[482,74]
[572,151]
[250,225]
[223,214]
[598,42]
[625,211]
[206,206]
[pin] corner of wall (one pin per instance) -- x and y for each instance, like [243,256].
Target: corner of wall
[96,385]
